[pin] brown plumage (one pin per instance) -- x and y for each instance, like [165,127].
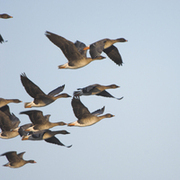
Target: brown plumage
[73,51]
[5,16]
[40,98]
[97,89]
[47,135]
[85,118]
[106,45]
[16,160]
[39,121]
[8,123]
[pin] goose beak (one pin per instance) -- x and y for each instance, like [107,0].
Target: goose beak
[25,138]
[86,48]
[61,67]
[71,124]
[27,106]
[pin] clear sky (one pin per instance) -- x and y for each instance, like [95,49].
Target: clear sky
[142,141]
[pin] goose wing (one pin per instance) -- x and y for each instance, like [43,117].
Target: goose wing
[5,122]
[22,129]
[32,89]
[98,112]
[106,94]
[1,39]
[113,53]
[12,120]
[20,155]
[88,88]
[78,108]
[35,116]
[97,48]
[55,140]
[11,156]
[56,91]
[67,47]
[80,47]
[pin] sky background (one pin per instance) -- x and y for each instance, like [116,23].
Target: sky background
[142,141]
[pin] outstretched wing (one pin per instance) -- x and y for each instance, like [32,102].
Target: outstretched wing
[36,116]
[78,108]
[11,156]
[106,94]
[98,112]
[113,53]
[32,89]
[80,47]
[88,89]
[10,121]
[67,47]
[55,140]
[1,39]
[96,48]
[56,91]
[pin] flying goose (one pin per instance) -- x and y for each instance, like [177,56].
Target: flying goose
[16,160]
[85,118]
[5,16]
[8,123]
[97,89]
[73,51]
[106,45]
[39,121]
[47,135]
[40,98]
[1,39]
[4,102]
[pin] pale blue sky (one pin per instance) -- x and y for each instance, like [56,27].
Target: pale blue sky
[142,141]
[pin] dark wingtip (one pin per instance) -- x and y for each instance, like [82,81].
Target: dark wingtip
[47,33]
[120,98]
[23,74]
[69,146]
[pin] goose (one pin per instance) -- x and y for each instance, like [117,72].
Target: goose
[1,39]
[39,121]
[106,45]
[5,16]
[8,123]
[16,160]
[40,98]
[96,89]
[73,51]
[47,135]
[85,118]
[4,102]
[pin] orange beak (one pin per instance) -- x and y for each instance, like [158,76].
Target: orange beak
[71,124]
[25,138]
[86,48]
[61,67]
[27,106]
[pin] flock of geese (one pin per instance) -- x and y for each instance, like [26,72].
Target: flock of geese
[40,125]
